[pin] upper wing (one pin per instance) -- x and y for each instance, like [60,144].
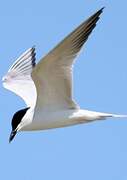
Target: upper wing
[18,78]
[53,74]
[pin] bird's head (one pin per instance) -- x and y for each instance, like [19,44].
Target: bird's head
[16,120]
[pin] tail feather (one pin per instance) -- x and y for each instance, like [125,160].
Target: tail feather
[119,116]
[105,115]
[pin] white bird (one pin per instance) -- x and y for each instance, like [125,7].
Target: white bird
[46,87]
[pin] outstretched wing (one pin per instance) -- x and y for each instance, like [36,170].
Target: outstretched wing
[53,74]
[18,78]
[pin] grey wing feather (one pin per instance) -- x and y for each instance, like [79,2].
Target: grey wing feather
[25,63]
[53,74]
[18,78]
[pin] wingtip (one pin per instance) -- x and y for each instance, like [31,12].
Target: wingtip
[101,10]
[34,47]
[98,13]
[103,7]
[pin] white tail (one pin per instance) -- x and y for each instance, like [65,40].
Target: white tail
[118,116]
[106,115]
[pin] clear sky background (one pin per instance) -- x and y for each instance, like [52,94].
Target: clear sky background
[93,151]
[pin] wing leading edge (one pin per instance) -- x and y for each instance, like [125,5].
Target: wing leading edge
[53,74]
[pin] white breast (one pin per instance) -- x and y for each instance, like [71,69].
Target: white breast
[55,119]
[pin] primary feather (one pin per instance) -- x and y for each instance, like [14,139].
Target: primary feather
[18,79]
[53,74]
[47,87]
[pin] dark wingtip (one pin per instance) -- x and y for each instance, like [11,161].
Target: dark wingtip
[34,47]
[100,10]
[97,14]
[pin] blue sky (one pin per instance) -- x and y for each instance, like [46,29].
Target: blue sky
[93,151]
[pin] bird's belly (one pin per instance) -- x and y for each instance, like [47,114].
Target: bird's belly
[48,120]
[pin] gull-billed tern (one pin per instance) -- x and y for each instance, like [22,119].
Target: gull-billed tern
[46,87]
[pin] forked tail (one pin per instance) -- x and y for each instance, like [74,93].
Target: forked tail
[105,115]
[118,116]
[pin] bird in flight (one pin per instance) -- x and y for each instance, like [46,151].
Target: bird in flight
[46,87]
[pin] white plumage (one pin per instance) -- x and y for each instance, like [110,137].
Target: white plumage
[47,87]
[18,78]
